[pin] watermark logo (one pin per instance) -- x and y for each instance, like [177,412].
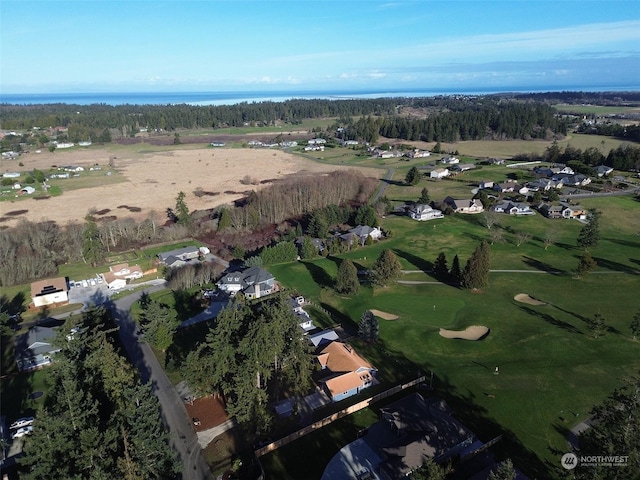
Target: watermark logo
[569,461]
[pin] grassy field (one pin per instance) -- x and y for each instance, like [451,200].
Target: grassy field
[551,369]
[595,109]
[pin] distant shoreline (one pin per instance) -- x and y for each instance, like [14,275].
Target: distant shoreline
[232,98]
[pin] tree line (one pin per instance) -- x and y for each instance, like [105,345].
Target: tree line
[625,157]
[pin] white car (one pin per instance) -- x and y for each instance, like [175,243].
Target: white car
[22,422]
[93,282]
[21,432]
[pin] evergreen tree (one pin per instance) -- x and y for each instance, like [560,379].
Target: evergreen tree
[597,325]
[386,269]
[308,249]
[93,251]
[456,272]
[634,326]
[586,264]
[615,428]
[347,279]
[440,269]
[505,471]
[224,219]
[366,215]
[182,210]
[159,324]
[424,196]
[476,271]
[589,235]
[429,470]
[368,327]
[318,227]
[413,176]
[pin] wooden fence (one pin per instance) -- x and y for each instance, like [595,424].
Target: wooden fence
[336,416]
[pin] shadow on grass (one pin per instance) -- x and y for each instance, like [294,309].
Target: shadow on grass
[319,275]
[551,320]
[542,266]
[420,263]
[615,266]
[625,243]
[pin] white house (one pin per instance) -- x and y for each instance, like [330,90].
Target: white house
[49,292]
[473,205]
[450,160]
[603,170]
[254,282]
[439,173]
[423,212]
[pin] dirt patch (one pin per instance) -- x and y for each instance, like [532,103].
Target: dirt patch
[475,332]
[529,300]
[384,315]
[208,410]
[153,180]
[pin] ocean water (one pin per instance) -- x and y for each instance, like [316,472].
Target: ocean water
[230,98]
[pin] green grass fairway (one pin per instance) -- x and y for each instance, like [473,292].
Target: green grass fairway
[552,372]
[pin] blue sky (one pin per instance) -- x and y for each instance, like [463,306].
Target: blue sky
[275,45]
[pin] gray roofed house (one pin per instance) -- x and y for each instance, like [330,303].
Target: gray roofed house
[254,282]
[34,348]
[423,428]
[472,205]
[184,254]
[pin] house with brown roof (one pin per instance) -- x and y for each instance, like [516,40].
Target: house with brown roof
[117,276]
[347,373]
[472,205]
[50,291]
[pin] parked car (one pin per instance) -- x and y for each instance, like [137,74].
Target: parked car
[22,422]
[93,282]
[21,432]
[85,283]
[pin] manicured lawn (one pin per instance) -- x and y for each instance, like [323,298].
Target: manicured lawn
[552,372]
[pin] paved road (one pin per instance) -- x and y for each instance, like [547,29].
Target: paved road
[383,186]
[174,413]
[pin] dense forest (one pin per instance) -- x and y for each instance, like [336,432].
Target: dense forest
[441,119]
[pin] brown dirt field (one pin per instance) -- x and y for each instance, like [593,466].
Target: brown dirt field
[475,332]
[154,180]
[210,411]
[384,315]
[525,298]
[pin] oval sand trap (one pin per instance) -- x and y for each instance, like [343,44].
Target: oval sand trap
[384,315]
[529,300]
[474,332]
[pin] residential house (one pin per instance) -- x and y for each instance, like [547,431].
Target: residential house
[496,161]
[49,292]
[513,208]
[253,282]
[577,180]
[486,184]
[505,187]
[423,212]
[34,349]
[364,231]
[439,173]
[322,338]
[603,170]
[551,171]
[544,184]
[117,276]
[304,320]
[449,160]
[551,211]
[463,167]
[347,372]
[573,212]
[473,205]
[420,429]
[179,256]
[417,153]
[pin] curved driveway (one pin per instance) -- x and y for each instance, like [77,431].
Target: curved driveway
[174,413]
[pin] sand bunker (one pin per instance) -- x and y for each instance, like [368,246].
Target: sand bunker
[475,332]
[529,300]
[384,315]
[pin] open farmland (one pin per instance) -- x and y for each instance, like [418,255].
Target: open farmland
[154,176]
